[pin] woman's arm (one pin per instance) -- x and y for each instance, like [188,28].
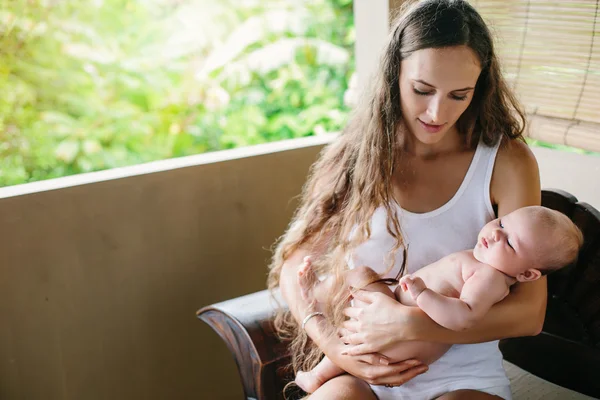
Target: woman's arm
[515,183]
[521,313]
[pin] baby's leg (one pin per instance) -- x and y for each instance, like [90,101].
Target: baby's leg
[360,278]
[311,288]
[309,285]
[311,380]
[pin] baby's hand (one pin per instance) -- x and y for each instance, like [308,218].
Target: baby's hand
[413,285]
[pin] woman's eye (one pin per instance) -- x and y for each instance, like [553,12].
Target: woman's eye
[459,98]
[421,93]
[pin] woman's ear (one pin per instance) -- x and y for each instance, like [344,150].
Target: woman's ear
[530,275]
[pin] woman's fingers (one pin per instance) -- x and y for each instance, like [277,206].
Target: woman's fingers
[351,325]
[401,374]
[352,312]
[344,332]
[366,296]
[393,374]
[374,359]
[358,350]
[407,364]
[353,339]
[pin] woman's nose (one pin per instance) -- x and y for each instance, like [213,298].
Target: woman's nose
[433,111]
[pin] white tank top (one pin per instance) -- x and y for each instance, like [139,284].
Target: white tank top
[430,236]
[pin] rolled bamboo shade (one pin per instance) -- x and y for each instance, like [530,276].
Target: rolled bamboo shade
[550,53]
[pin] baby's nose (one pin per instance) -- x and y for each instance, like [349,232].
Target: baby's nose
[496,234]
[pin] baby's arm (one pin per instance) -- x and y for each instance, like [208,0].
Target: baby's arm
[480,292]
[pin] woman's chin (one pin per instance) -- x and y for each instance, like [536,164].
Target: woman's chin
[430,138]
[421,137]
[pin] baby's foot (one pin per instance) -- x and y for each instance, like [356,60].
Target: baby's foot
[309,381]
[306,278]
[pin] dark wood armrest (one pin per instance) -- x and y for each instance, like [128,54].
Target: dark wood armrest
[245,324]
[567,352]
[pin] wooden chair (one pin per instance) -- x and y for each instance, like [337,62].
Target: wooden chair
[567,352]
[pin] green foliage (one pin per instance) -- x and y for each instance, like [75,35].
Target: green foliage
[560,147]
[121,82]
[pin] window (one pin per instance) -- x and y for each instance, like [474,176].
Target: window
[111,83]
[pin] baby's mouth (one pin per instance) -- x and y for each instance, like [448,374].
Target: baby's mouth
[484,242]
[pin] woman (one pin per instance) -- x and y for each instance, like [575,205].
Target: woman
[432,155]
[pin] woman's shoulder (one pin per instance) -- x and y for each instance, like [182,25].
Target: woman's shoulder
[516,177]
[515,157]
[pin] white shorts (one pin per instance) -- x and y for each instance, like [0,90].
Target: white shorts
[384,393]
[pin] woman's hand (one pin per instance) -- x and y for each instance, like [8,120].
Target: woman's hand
[379,324]
[374,368]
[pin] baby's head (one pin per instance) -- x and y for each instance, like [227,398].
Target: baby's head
[529,242]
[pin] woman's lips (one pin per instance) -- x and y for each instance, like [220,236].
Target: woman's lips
[430,128]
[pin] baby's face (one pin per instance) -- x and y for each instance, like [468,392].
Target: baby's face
[509,243]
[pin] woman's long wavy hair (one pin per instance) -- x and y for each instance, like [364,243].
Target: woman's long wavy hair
[352,177]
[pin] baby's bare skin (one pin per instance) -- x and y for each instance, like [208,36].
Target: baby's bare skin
[455,291]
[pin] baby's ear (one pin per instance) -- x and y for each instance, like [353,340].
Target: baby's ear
[530,275]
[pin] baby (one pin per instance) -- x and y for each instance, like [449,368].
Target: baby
[459,289]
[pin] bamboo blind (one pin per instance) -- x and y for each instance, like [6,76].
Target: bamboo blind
[550,53]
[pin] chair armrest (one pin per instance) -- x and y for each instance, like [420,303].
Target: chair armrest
[246,325]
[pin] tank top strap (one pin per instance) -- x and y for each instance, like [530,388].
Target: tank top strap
[481,177]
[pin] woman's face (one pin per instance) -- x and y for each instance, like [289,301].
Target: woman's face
[436,87]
